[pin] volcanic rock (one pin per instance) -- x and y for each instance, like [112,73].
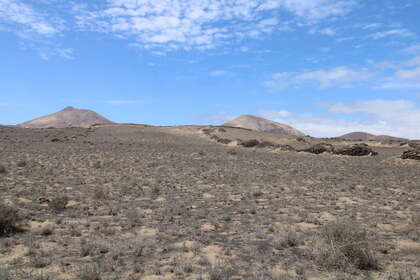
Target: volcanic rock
[355,150]
[411,154]
[249,143]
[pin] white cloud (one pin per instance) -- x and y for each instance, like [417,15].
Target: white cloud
[395,83]
[393,32]
[217,73]
[204,24]
[409,74]
[18,14]
[395,117]
[371,26]
[311,10]
[404,77]
[336,76]
[339,76]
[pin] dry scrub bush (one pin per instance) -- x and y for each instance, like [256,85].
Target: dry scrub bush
[58,204]
[287,237]
[9,218]
[343,246]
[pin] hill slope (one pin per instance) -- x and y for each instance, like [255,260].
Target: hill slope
[364,136]
[68,117]
[260,124]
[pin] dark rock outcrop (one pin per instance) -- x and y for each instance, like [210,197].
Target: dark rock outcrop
[319,148]
[249,143]
[356,150]
[411,154]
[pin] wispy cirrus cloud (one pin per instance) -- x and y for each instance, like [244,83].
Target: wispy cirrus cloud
[413,49]
[23,19]
[405,75]
[217,73]
[339,76]
[401,32]
[371,26]
[191,24]
[310,10]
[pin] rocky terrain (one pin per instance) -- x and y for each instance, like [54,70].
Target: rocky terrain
[216,203]
[68,117]
[263,125]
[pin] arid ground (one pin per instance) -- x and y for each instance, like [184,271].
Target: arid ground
[139,202]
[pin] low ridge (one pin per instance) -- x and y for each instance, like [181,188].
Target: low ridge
[68,117]
[364,136]
[261,124]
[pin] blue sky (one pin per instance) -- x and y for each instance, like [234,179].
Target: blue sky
[327,67]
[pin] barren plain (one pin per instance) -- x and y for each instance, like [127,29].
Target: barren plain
[139,202]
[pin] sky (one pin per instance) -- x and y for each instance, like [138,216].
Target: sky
[326,67]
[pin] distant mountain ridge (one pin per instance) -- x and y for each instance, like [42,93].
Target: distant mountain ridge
[68,117]
[264,125]
[364,136]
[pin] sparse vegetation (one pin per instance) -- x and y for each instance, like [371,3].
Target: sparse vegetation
[404,273]
[165,204]
[89,272]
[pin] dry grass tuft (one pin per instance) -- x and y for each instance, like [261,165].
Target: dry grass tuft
[404,273]
[343,246]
